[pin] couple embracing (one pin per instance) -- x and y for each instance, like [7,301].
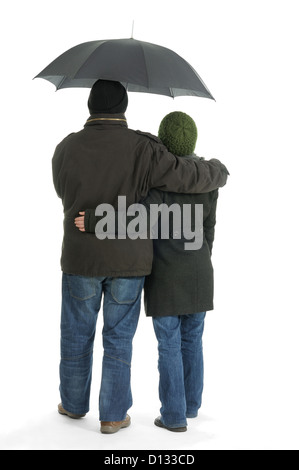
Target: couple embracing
[97,165]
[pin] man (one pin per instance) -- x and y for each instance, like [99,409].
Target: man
[93,166]
[180,289]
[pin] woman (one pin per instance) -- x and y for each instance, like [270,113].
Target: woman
[179,290]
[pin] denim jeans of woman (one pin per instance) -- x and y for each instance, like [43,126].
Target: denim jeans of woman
[81,303]
[181,366]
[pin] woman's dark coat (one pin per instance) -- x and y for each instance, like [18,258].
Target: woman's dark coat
[182,281]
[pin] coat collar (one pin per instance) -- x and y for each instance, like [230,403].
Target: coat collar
[107,119]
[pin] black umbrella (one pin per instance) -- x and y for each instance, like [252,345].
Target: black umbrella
[139,66]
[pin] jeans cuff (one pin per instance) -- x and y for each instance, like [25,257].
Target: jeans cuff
[177,425]
[192,415]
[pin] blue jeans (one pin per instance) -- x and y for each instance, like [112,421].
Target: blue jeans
[81,302]
[181,366]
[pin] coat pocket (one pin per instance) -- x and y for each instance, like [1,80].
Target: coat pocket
[125,290]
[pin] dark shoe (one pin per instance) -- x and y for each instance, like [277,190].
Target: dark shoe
[159,423]
[111,427]
[62,411]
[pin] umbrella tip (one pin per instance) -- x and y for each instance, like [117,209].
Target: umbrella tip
[132,30]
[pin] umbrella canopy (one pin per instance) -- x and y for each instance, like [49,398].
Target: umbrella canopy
[139,66]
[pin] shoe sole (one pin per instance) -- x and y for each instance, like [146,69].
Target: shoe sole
[114,429]
[161,425]
[70,415]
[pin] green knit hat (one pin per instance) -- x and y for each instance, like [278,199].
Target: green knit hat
[178,133]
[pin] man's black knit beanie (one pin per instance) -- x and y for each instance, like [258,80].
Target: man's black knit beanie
[107,97]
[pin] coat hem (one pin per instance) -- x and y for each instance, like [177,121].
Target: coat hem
[200,309]
[107,273]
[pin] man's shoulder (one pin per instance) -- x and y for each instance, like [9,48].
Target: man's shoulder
[72,140]
[149,136]
[66,139]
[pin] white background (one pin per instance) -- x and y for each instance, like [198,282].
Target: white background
[247,54]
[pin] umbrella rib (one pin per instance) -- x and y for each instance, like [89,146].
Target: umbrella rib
[97,45]
[145,65]
[61,82]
